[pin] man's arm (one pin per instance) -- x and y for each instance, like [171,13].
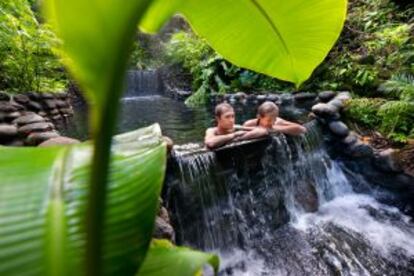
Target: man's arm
[212,140]
[288,127]
[257,132]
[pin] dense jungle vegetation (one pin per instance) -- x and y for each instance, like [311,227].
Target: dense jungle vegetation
[374,59]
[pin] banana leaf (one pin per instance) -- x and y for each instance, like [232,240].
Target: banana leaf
[283,39]
[43,193]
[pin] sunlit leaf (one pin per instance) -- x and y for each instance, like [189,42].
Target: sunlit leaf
[164,259]
[283,39]
[43,193]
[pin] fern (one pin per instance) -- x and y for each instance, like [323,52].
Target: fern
[401,86]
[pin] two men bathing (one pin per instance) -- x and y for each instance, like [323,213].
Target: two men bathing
[267,121]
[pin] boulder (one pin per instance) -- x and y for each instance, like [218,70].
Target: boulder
[336,103]
[57,117]
[21,99]
[304,96]
[36,127]
[7,107]
[326,96]
[286,99]
[34,106]
[18,107]
[386,160]
[61,140]
[169,142]
[163,230]
[12,116]
[4,97]
[29,118]
[49,104]
[338,128]
[350,139]
[240,96]
[36,138]
[54,111]
[163,213]
[324,110]
[34,96]
[359,149]
[47,96]
[261,98]
[306,196]
[7,131]
[343,96]
[273,97]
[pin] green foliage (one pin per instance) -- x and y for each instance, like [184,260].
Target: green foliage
[397,120]
[400,86]
[27,62]
[274,32]
[211,72]
[394,119]
[165,259]
[376,43]
[43,205]
[364,111]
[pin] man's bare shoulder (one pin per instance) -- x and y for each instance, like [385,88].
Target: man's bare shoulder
[250,123]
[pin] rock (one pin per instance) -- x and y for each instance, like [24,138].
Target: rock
[251,98]
[4,97]
[306,196]
[336,103]
[7,107]
[386,160]
[34,106]
[338,128]
[261,98]
[273,97]
[7,131]
[36,127]
[163,230]
[34,96]
[36,138]
[15,143]
[304,96]
[12,116]
[61,140]
[240,96]
[18,107]
[286,99]
[49,104]
[359,149]
[324,110]
[42,113]
[21,99]
[54,111]
[57,117]
[169,142]
[343,96]
[47,96]
[163,213]
[227,97]
[29,118]
[350,139]
[61,95]
[326,96]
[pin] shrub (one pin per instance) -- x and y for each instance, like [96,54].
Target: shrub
[27,62]
[364,111]
[397,120]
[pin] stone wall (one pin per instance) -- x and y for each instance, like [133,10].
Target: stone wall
[27,119]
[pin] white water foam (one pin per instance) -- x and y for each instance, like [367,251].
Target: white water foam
[351,211]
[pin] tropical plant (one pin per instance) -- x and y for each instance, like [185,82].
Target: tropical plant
[97,38]
[27,62]
[400,86]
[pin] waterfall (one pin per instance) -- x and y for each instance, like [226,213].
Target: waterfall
[283,207]
[143,83]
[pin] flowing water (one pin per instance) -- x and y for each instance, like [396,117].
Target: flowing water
[283,207]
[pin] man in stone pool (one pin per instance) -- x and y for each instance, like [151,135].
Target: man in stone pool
[226,131]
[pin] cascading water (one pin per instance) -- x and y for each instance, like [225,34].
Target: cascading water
[143,83]
[283,207]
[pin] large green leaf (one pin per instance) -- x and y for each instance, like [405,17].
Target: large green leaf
[43,193]
[283,39]
[165,259]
